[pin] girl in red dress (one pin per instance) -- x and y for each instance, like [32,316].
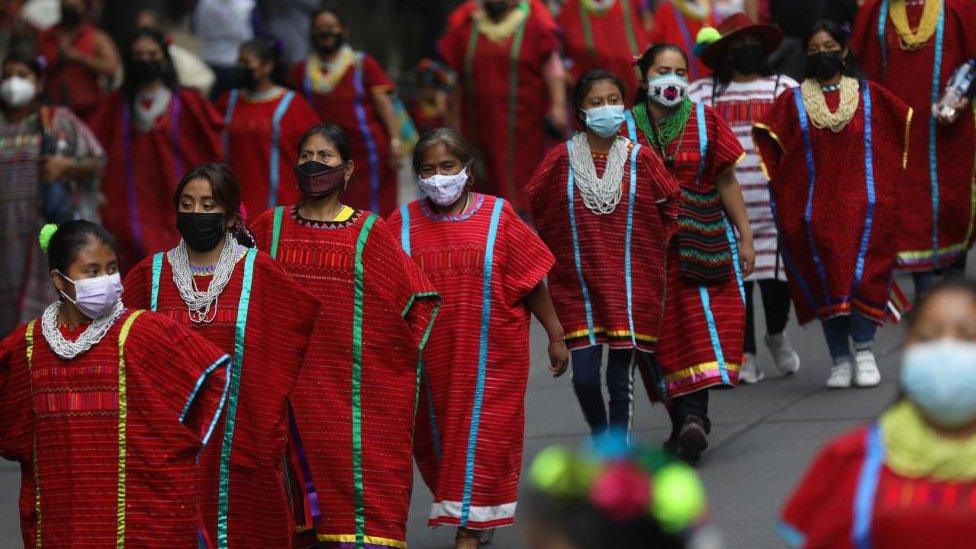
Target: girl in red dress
[218,285]
[704,312]
[151,131]
[909,478]
[351,89]
[607,208]
[489,268]
[262,123]
[354,404]
[105,408]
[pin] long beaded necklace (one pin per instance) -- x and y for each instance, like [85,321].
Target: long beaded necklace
[816,104]
[915,39]
[600,194]
[674,126]
[94,333]
[202,305]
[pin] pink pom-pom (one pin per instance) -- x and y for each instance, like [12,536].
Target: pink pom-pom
[623,491]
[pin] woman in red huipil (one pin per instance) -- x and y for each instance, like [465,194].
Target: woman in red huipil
[678,22]
[912,48]
[607,208]
[354,404]
[106,408]
[81,59]
[909,478]
[592,37]
[704,313]
[262,123]
[511,92]
[219,286]
[350,88]
[489,268]
[151,131]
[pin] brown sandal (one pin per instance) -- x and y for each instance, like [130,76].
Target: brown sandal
[467,534]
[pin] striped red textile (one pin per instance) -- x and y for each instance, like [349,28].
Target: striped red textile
[249,143]
[143,220]
[671,26]
[69,454]
[906,512]
[451,251]
[280,318]
[602,245]
[908,74]
[354,403]
[840,213]
[701,336]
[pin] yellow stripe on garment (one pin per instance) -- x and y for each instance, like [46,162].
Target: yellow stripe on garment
[908,130]
[345,214]
[612,333]
[771,133]
[372,540]
[123,418]
[699,369]
[29,338]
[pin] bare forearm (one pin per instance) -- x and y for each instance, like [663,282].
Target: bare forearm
[540,304]
[83,168]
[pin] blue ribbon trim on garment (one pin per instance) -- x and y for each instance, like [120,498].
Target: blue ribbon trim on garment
[228,118]
[869,182]
[933,131]
[867,488]
[274,172]
[157,272]
[482,360]
[811,185]
[570,199]
[405,228]
[628,237]
[882,23]
[371,149]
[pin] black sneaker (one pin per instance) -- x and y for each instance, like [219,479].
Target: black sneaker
[692,441]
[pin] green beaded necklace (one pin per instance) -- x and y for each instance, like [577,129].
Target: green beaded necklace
[674,126]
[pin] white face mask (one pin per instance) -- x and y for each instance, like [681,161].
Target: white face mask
[444,190]
[17,92]
[667,90]
[95,296]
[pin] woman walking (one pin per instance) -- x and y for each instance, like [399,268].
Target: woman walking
[607,208]
[838,140]
[741,90]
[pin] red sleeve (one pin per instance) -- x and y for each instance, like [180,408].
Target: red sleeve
[664,187]
[297,75]
[454,44]
[542,185]
[864,39]
[261,228]
[725,149]
[527,259]
[137,286]
[394,221]
[820,510]
[15,399]
[660,20]
[374,75]
[221,103]
[202,130]
[299,118]
[768,134]
[187,372]
[545,41]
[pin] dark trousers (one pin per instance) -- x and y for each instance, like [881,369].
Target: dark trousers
[587,385]
[924,280]
[693,406]
[776,304]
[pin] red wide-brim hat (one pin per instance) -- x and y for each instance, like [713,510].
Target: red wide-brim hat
[735,26]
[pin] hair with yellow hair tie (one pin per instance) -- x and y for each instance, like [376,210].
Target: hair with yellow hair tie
[47,233]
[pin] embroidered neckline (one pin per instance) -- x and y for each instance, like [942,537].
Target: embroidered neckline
[501,30]
[316,224]
[272,94]
[479,200]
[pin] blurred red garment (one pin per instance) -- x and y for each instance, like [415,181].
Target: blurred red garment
[68,82]
[678,22]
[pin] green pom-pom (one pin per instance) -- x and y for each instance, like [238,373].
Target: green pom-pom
[550,467]
[678,496]
[47,232]
[707,35]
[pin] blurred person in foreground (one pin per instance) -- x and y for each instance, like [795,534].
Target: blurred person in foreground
[82,60]
[191,71]
[612,495]
[909,478]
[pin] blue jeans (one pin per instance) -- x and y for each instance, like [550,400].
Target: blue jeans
[839,331]
[587,385]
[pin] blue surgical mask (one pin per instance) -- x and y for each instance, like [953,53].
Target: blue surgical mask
[605,121]
[940,378]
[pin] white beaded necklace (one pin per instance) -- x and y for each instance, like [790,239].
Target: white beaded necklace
[202,306]
[600,194]
[94,333]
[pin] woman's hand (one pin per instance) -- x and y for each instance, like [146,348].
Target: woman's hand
[558,357]
[747,257]
[395,153]
[56,168]
[959,107]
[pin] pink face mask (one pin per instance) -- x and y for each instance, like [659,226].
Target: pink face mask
[95,296]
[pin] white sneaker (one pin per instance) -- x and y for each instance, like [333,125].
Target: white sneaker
[750,372]
[866,373]
[784,356]
[840,375]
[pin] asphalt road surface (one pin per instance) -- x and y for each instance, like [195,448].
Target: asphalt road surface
[762,440]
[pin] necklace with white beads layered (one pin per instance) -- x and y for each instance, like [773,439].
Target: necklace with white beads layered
[94,333]
[202,305]
[600,194]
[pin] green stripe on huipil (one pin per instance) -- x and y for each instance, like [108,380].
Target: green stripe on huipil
[357,372]
[276,231]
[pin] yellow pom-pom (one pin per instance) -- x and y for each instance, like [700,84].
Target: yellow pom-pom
[707,35]
[679,497]
[47,232]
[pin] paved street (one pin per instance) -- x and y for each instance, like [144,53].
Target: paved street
[761,442]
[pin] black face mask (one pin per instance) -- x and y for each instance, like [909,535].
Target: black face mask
[825,65]
[243,77]
[140,71]
[496,9]
[327,42]
[747,59]
[201,231]
[70,17]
